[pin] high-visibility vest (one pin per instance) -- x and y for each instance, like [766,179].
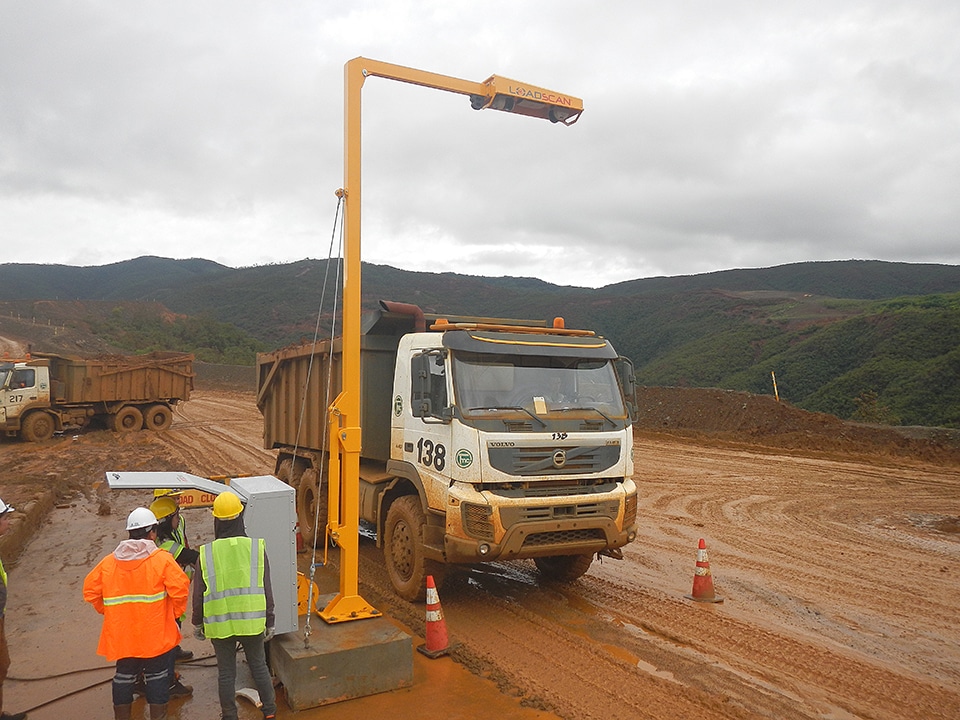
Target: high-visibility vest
[180,532]
[172,547]
[234,602]
[175,548]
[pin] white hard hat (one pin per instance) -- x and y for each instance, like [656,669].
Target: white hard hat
[141,518]
[4,508]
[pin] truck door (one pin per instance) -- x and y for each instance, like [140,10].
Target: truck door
[428,431]
[19,391]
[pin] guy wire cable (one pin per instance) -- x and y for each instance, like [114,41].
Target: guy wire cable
[323,444]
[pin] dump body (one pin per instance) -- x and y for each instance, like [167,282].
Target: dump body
[282,376]
[120,378]
[45,392]
[481,441]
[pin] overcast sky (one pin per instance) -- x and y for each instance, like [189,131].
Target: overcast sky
[715,134]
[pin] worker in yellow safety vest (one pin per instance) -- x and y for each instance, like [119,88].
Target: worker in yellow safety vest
[233,603]
[167,510]
[5,511]
[180,526]
[140,591]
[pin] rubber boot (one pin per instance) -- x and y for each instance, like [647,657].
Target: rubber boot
[121,712]
[158,712]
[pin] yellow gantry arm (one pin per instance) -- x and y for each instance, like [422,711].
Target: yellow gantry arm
[496,93]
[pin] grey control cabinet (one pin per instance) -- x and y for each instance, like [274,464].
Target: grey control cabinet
[271,515]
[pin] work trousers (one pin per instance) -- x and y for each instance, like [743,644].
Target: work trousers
[4,659]
[253,648]
[154,675]
[172,664]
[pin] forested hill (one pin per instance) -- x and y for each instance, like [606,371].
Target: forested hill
[858,338]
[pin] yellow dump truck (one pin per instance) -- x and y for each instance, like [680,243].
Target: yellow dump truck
[482,439]
[44,393]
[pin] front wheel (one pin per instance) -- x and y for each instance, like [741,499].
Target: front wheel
[37,427]
[563,568]
[403,553]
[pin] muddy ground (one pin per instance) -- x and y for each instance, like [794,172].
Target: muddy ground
[835,549]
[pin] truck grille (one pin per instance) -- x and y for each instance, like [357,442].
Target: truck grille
[565,537]
[509,516]
[544,460]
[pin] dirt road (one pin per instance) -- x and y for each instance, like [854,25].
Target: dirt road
[839,580]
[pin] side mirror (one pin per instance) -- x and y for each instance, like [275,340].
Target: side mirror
[628,381]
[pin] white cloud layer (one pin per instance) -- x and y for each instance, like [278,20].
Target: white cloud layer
[715,135]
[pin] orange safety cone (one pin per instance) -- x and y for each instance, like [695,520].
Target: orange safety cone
[702,579]
[301,545]
[437,643]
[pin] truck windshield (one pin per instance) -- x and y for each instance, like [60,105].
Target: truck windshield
[487,382]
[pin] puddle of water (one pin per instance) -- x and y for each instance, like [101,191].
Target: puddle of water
[53,634]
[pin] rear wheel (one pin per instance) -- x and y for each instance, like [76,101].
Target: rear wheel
[158,417]
[311,505]
[37,427]
[128,419]
[563,568]
[403,551]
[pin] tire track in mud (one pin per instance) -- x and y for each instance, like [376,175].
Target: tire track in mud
[816,625]
[535,645]
[806,554]
[758,656]
[218,434]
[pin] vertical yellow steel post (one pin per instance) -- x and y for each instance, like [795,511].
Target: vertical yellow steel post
[347,604]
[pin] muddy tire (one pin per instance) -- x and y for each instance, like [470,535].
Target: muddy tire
[37,427]
[311,505]
[403,552]
[129,419]
[291,472]
[563,568]
[158,417]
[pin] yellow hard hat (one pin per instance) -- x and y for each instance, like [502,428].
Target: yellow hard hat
[166,492]
[164,507]
[227,506]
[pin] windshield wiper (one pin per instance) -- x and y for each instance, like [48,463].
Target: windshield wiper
[599,412]
[509,407]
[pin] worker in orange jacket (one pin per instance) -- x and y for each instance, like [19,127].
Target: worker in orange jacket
[140,591]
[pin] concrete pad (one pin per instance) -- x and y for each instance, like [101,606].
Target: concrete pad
[342,661]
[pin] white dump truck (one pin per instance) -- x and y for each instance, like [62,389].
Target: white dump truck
[482,439]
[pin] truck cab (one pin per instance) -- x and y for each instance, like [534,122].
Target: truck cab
[518,442]
[24,386]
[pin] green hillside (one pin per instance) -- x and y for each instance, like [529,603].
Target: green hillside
[895,361]
[870,340]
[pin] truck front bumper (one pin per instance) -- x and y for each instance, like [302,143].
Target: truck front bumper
[541,539]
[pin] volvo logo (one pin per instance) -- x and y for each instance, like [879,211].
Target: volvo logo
[559,458]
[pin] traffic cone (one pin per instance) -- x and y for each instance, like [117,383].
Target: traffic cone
[301,546]
[437,643]
[702,579]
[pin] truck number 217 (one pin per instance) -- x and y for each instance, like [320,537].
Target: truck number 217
[431,454]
